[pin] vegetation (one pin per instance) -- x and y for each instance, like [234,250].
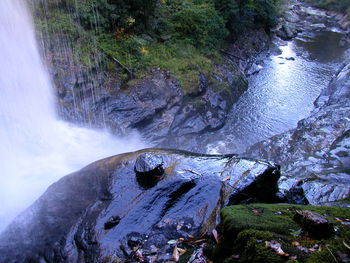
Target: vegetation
[183,36]
[248,230]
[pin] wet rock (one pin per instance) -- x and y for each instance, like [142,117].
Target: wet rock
[149,163]
[248,46]
[287,32]
[315,224]
[318,26]
[296,195]
[68,222]
[112,222]
[254,69]
[154,105]
[315,154]
[149,169]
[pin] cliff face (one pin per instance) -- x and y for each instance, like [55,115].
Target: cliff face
[134,205]
[315,156]
[155,105]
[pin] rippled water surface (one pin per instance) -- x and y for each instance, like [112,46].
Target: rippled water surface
[283,92]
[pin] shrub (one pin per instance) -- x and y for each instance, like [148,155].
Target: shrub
[195,22]
[247,14]
[108,15]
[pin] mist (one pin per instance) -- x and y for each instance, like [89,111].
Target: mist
[36,147]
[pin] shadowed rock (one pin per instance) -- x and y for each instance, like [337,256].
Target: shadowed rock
[149,169]
[315,224]
[101,213]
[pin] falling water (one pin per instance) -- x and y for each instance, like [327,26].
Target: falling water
[36,147]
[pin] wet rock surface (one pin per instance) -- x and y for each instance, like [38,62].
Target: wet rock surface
[315,155]
[149,163]
[155,105]
[303,19]
[102,214]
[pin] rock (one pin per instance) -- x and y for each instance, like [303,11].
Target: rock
[318,25]
[254,69]
[315,224]
[149,163]
[292,17]
[149,169]
[101,213]
[207,112]
[296,195]
[202,86]
[315,154]
[112,222]
[287,32]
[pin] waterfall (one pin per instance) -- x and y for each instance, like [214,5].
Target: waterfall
[36,148]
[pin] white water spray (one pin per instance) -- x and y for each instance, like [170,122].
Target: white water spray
[36,148]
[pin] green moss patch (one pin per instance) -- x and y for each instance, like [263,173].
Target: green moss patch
[250,233]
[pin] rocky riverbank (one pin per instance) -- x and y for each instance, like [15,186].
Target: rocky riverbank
[315,156]
[156,105]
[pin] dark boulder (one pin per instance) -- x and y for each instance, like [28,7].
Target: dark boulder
[101,213]
[112,222]
[315,224]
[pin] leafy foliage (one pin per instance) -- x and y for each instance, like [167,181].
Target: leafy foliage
[245,14]
[196,22]
[183,36]
[107,15]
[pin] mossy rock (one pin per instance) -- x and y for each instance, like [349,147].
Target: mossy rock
[246,229]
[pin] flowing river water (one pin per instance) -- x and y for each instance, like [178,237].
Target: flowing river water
[283,92]
[36,147]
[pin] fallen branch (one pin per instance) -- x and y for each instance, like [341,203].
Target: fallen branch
[128,71]
[229,54]
[131,75]
[335,259]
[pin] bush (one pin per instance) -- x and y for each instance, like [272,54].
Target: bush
[248,14]
[195,22]
[108,15]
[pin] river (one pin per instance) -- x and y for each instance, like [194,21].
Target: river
[283,92]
